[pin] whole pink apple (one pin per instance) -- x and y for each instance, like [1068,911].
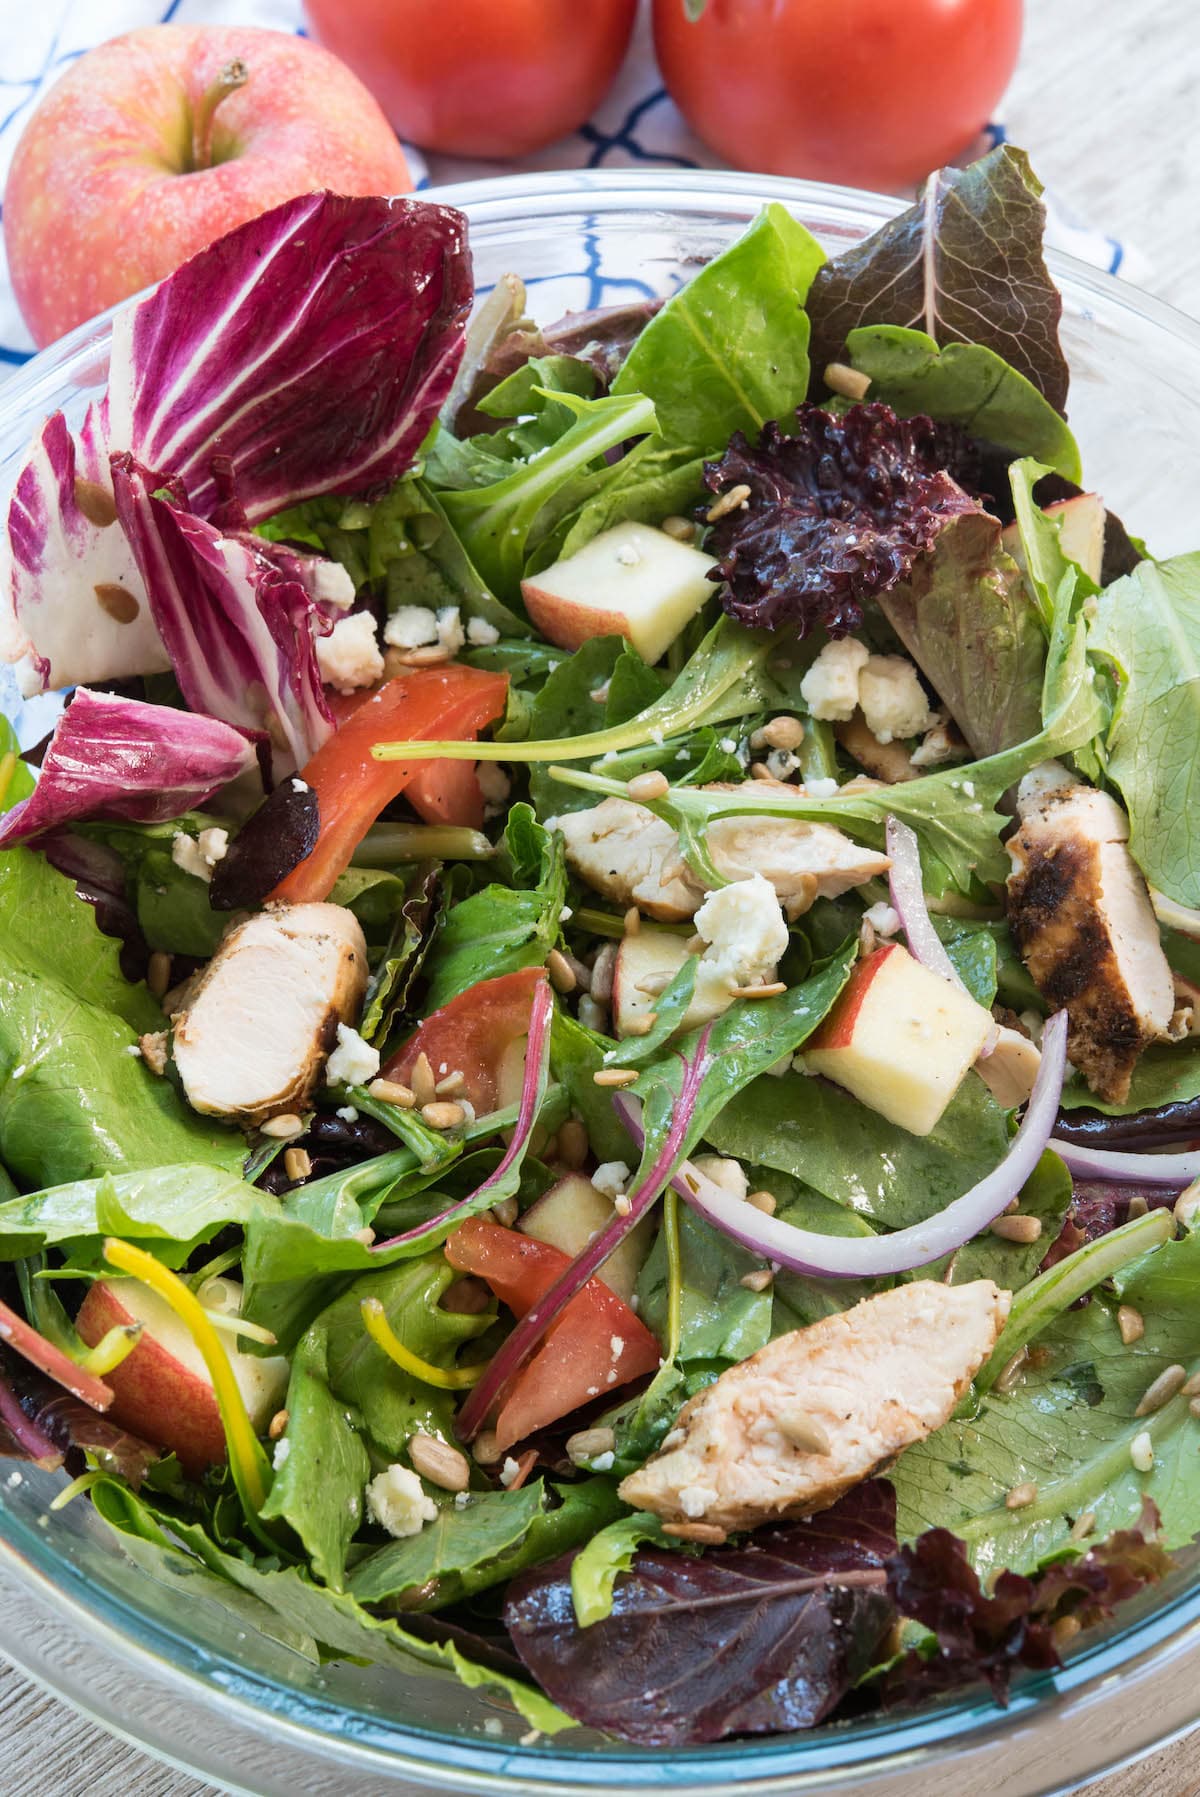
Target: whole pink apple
[155,143]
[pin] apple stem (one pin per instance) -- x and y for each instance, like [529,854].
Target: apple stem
[235,74]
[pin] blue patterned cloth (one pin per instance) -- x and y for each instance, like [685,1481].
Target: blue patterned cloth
[635,126]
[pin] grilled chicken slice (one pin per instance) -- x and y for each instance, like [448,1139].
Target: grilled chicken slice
[814,1412]
[257,1025]
[623,851]
[1080,915]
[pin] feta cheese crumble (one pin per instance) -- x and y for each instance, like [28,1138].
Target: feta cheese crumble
[350,657]
[611,1178]
[199,855]
[481,633]
[510,1472]
[892,698]
[451,634]
[411,627]
[396,1500]
[830,687]
[730,1175]
[882,918]
[744,927]
[353,1062]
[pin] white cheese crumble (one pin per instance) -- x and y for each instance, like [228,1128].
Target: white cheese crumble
[611,1178]
[199,855]
[882,918]
[449,629]
[510,1472]
[481,633]
[411,627]
[830,687]
[331,584]
[283,1448]
[397,1502]
[730,1175]
[744,927]
[603,1463]
[350,657]
[353,1062]
[821,788]
[347,1113]
[892,698]
[494,783]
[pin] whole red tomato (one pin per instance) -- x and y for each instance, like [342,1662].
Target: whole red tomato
[869,93]
[480,77]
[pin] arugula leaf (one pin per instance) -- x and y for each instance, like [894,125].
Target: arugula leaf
[502,928]
[564,708]
[493,1536]
[1148,626]
[395,971]
[502,523]
[966,620]
[301,1613]
[1067,1428]
[74,1100]
[720,1319]
[964,264]
[729,350]
[321,1473]
[966,384]
[651,482]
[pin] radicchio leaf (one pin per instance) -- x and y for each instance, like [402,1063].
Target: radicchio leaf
[267,847]
[121,758]
[837,512]
[964,264]
[769,1635]
[307,351]
[239,628]
[988,1636]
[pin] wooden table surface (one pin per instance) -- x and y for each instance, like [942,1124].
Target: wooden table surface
[1105,100]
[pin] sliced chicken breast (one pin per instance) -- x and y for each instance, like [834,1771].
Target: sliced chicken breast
[790,1429]
[623,851]
[1080,915]
[257,1025]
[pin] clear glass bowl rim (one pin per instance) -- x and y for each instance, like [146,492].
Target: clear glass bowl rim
[1163,1634]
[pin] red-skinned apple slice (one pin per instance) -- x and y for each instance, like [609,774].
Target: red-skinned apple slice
[571,1214]
[162,1390]
[25,1340]
[900,1038]
[631,581]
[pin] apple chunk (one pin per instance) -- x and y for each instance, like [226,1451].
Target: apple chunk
[646,958]
[163,1391]
[631,581]
[900,1038]
[1080,521]
[571,1213]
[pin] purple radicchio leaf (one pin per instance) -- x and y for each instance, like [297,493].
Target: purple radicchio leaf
[121,758]
[836,513]
[308,351]
[267,847]
[769,1635]
[239,629]
[312,347]
[989,1635]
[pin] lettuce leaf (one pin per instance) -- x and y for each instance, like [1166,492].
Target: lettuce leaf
[111,757]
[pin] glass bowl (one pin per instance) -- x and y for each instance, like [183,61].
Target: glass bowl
[169,1670]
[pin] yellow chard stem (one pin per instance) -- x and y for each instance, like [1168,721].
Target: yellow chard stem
[249,1465]
[111,1349]
[8,767]
[384,1336]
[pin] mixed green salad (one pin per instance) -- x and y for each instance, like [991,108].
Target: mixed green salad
[598,982]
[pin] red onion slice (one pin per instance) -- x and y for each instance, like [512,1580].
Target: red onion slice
[854,1257]
[1129,1169]
[537,1320]
[907,890]
[25,1340]
[533,1091]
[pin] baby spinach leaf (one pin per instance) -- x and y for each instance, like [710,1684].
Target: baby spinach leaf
[729,350]
[652,482]
[1148,626]
[502,928]
[485,1542]
[74,1099]
[720,1319]
[188,1203]
[322,1468]
[966,384]
[1067,1429]
[966,620]
[964,265]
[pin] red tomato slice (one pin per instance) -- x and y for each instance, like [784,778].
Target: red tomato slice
[474,1035]
[596,1345]
[352,788]
[441,792]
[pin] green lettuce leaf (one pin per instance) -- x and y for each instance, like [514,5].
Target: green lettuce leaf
[322,1469]
[504,927]
[185,1203]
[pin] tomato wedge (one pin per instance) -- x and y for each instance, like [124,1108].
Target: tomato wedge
[595,1346]
[440,792]
[352,788]
[475,1035]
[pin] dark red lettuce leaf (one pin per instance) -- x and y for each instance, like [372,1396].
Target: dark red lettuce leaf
[766,1636]
[268,846]
[837,512]
[963,264]
[36,1414]
[989,1636]
[1097,1208]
